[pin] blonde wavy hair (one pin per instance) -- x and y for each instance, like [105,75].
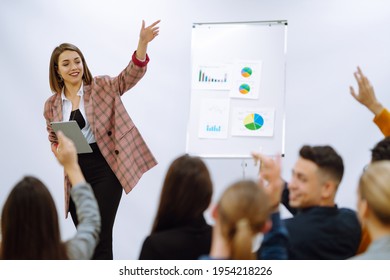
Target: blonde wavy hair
[374,188]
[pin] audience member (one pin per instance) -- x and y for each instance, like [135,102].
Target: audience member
[366,96]
[319,229]
[180,231]
[29,220]
[243,212]
[380,152]
[374,209]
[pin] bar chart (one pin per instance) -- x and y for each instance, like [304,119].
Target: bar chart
[212,76]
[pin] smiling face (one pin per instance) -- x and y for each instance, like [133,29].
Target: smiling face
[70,68]
[305,186]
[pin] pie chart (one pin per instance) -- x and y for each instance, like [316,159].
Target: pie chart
[244,88]
[253,121]
[246,72]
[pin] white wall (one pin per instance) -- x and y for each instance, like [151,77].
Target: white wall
[326,41]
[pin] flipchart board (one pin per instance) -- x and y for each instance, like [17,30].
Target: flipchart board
[237,102]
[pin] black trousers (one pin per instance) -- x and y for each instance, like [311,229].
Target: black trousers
[108,193]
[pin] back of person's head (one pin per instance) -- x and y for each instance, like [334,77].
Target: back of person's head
[374,188]
[56,82]
[329,162]
[185,195]
[29,223]
[381,151]
[243,211]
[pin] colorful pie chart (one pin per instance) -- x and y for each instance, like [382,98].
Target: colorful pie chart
[253,121]
[246,72]
[244,88]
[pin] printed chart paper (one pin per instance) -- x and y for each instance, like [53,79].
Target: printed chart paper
[211,77]
[214,118]
[253,122]
[246,78]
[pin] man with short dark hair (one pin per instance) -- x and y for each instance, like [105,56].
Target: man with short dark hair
[319,229]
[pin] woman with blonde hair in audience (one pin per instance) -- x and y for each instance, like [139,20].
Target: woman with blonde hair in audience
[243,212]
[374,209]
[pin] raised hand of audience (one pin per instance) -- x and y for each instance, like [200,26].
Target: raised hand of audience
[270,178]
[366,94]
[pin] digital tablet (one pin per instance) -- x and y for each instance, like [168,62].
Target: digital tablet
[72,130]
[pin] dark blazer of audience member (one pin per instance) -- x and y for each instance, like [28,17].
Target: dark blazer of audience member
[179,229]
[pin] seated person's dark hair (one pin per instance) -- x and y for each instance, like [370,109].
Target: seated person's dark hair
[326,158]
[381,151]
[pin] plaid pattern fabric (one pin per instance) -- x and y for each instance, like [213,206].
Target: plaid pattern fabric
[117,137]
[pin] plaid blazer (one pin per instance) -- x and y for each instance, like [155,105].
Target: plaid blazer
[117,137]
